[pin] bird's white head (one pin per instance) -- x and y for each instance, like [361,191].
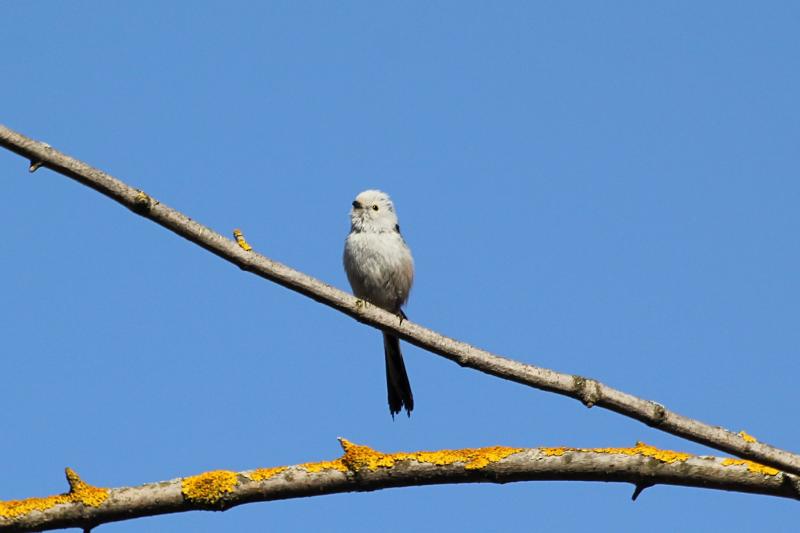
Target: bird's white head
[373,211]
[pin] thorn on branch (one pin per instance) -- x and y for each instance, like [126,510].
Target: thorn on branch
[237,234]
[35,163]
[793,482]
[74,480]
[639,489]
[80,491]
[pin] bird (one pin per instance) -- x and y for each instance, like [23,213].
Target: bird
[380,269]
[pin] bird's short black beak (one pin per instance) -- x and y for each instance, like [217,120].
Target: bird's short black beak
[356,204]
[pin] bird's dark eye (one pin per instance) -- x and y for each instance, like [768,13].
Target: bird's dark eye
[374,207]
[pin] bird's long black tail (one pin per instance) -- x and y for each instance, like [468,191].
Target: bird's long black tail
[396,377]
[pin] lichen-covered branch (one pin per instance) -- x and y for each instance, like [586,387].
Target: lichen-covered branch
[364,469]
[588,391]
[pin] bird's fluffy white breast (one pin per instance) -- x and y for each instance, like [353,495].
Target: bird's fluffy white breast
[379,267]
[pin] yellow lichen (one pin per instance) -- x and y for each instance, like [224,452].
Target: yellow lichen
[746,437]
[666,456]
[80,492]
[475,458]
[561,450]
[237,234]
[261,474]
[209,487]
[751,466]
[357,457]
[15,508]
[319,466]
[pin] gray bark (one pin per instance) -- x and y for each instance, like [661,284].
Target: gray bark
[641,467]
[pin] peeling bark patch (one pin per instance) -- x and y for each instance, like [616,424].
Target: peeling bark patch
[142,203]
[209,487]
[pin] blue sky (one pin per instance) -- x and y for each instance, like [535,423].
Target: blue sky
[608,189]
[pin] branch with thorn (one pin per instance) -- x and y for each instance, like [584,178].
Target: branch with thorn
[361,468]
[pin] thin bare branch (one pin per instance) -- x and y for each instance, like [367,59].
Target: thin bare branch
[364,469]
[589,391]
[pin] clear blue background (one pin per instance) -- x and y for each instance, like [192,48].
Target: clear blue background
[609,189]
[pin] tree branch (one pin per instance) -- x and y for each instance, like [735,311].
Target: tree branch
[364,469]
[588,391]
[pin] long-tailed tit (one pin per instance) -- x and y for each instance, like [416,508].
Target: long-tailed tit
[380,269]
